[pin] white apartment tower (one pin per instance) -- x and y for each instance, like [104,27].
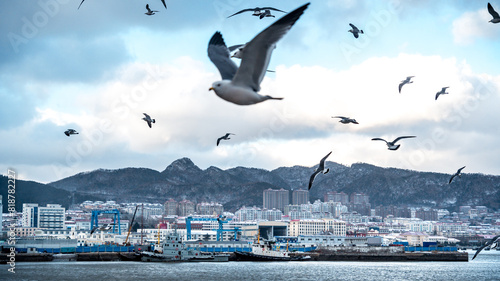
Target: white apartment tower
[50,217]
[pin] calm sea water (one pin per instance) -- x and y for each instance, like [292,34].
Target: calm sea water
[485,267]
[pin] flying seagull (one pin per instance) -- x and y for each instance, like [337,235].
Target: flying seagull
[406,81]
[321,168]
[93,230]
[69,132]
[225,137]
[494,14]
[488,243]
[346,120]
[241,85]
[162,1]
[150,12]
[442,92]
[148,120]
[258,12]
[392,145]
[355,31]
[456,174]
[102,228]
[239,52]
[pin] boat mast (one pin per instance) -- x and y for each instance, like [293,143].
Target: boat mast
[142,221]
[159,233]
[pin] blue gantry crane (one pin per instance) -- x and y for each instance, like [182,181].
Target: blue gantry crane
[220,219]
[94,222]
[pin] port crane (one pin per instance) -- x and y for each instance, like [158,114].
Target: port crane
[94,222]
[131,224]
[220,219]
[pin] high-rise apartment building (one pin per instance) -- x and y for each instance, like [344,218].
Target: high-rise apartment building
[50,217]
[276,199]
[185,208]
[170,207]
[210,209]
[300,196]
[337,197]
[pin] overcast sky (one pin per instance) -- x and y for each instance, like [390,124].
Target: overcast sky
[98,68]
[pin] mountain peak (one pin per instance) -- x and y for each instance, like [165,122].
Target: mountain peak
[181,165]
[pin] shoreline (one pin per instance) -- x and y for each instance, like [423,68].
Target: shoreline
[315,256]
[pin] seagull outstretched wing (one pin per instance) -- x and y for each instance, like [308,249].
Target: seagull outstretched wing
[492,12]
[220,56]
[403,137]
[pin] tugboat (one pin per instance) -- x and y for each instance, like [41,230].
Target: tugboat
[265,251]
[173,250]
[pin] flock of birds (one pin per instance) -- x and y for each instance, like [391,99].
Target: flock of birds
[241,85]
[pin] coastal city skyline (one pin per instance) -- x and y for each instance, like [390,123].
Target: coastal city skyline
[98,72]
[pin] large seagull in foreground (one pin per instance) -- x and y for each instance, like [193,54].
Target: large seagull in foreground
[488,243]
[241,85]
[494,14]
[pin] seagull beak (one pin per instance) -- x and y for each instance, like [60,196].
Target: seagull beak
[211,89]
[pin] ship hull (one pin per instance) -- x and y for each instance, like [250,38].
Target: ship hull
[248,256]
[156,257]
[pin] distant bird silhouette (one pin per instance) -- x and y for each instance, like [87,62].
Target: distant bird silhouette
[225,137]
[148,119]
[442,92]
[259,12]
[162,1]
[320,169]
[406,81]
[69,132]
[346,120]
[456,174]
[355,31]
[488,243]
[392,144]
[150,12]
[494,14]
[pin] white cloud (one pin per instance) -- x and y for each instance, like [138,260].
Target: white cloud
[474,25]
[298,130]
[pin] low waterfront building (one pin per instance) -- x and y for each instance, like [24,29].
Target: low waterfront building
[414,238]
[451,229]
[25,231]
[315,226]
